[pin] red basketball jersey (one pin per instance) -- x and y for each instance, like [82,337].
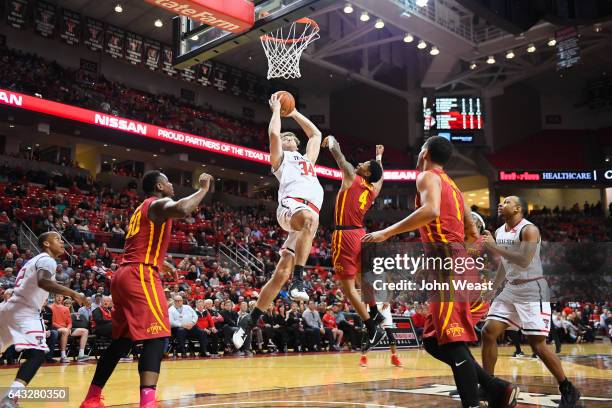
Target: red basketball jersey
[353,203]
[448,226]
[146,242]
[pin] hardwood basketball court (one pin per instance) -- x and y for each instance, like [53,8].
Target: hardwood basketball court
[329,380]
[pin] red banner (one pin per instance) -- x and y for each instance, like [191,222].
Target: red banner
[229,15]
[90,117]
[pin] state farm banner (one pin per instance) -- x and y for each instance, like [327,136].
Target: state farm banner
[167,65]
[133,127]
[152,53]
[70,27]
[228,15]
[133,48]
[17,13]
[94,35]
[114,40]
[45,19]
[205,73]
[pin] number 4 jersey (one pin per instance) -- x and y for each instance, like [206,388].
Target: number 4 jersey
[298,179]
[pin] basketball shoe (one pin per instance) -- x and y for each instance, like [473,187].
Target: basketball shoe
[569,395]
[363,361]
[502,394]
[395,360]
[93,402]
[371,337]
[297,291]
[245,325]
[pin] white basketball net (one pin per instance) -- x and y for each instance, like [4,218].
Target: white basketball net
[284,48]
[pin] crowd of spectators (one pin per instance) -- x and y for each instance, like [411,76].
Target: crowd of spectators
[28,73]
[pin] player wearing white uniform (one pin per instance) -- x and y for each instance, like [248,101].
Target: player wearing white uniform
[523,303]
[300,197]
[20,315]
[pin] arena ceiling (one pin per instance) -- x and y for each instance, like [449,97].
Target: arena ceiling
[352,50]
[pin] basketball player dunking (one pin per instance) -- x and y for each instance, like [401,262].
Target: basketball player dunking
[20,315]
[140,308]
[440,218]
[523,303]
[300,197]
[360,187]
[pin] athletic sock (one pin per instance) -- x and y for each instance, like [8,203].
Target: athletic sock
[256,314]
[373,309]
[94,391]
[147,395]
[370,326]
[63,354]
[81,352]
[298,272]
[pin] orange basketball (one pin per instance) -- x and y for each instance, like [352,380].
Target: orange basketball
[287,102]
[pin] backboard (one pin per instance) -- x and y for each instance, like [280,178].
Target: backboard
[194,42]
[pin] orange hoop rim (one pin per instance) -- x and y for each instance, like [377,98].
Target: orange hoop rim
[303,20]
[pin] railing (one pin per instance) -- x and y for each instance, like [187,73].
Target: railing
[27,239]
[253,260]
[72,252]
[240,260]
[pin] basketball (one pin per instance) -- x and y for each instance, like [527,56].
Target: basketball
[287,102]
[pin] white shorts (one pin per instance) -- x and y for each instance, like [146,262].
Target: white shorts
[287,208]
[532,318]
[386,313]
[22,327]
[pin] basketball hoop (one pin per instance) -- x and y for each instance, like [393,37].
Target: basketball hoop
[284,48]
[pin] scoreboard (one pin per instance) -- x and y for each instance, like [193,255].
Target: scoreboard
[458,118]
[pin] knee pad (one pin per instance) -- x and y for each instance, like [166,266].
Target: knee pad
[35,358]
[152,354]
[390,336]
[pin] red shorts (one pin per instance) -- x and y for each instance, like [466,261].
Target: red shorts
[478,310]
[346,253]
[140,307]
[450,322]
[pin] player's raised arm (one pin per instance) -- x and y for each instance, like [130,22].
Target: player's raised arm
[429,186]
[166,208]
[348,171]
[314,135]
[470,228]
[380,149]
[274,131]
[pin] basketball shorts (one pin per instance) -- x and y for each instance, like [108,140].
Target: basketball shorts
[478,310]
[287,208]
[140,306]
[450,322]
[386,313]
[21,327]
[346,253]
[532,318]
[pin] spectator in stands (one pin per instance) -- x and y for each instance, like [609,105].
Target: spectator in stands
[67,268]
[418,320]
[101,319]
[97,301]
[329,321]
[61,277]
[314,328]
[347,327]
[51,334]
[62,322]
[9,260]
[295,327]
[207,325]
[230,325]
[86,309]
[183,321]
[274,330]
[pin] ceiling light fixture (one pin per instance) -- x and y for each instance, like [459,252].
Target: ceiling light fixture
[434,51]
[422,3]
[379,23]
[422,45]
[118,8]
[491,60]
[158,23]
[552,42]
[408,38]
[473,66]
[364,16]
[510,54]
[531,48]
[348,9]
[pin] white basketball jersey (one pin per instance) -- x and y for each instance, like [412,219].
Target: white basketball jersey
[511,240]
[26,289]
[298,178]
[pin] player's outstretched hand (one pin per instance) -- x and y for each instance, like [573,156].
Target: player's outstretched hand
[376,236]
[275,104]
[326,142]
[80,298]
[205,180]
[489,241]
[380,149]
